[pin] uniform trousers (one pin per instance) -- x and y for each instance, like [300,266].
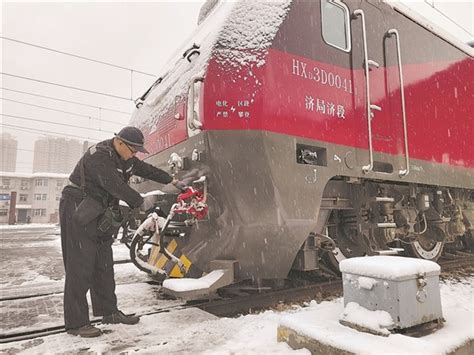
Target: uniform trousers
[88,263]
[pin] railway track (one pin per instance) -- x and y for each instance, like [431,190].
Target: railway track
[457,260]
[47,291]
[251,303]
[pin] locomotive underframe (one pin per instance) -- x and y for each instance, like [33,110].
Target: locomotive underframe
[269,192]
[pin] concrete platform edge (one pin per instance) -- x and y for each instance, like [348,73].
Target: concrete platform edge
[300,341]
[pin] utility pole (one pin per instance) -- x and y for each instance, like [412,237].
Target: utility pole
[11,213]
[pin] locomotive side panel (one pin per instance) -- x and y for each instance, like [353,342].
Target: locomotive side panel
[310,89]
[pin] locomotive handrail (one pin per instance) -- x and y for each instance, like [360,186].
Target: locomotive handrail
[367,168]
[194,123]
[406,171]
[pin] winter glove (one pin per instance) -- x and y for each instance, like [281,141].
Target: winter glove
[147,204]
[180,185]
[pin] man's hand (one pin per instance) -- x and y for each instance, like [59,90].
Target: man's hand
[179,184]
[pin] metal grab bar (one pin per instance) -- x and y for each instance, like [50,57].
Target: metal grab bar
[367,63]
[194,123]
[402,172]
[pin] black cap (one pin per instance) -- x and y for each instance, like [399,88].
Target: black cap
[133,137]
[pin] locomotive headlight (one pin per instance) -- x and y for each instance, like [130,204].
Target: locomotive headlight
[195,155]
[175,161]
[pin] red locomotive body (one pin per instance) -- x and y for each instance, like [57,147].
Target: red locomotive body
[325,130]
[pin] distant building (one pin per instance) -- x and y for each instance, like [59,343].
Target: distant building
[37,199]
[56,155]
[8,145]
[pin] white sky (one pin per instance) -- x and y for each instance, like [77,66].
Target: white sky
[141,36]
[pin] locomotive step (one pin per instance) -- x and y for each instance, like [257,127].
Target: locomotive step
[391,251]
[387,225]
[204,287]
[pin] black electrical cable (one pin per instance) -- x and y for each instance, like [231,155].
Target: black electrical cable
[67,86]
[67,112]
[68,101]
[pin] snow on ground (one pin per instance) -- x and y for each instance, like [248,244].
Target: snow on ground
[36,260]
[121,251]
[188,331]
[8,227]
[178,330]
[191,331]
[321,322]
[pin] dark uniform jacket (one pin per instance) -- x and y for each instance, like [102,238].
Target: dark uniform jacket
[106,175]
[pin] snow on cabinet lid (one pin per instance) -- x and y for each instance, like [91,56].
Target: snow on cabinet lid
[389,267]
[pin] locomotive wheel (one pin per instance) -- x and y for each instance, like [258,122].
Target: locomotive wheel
[349,243]
[343,251]
[426,248]
[468,240]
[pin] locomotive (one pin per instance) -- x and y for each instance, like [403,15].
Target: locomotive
[320,130]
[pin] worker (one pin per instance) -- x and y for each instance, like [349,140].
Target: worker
[89,217]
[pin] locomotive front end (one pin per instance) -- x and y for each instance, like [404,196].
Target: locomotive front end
[201,121]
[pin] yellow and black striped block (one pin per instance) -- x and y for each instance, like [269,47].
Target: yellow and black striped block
[161,261]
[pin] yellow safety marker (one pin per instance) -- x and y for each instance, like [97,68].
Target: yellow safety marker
[176,271]
[163,259]
[155,251]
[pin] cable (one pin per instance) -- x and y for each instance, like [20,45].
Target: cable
[67,86]
[76,56]
[62,100]
[67,112]
[28,150]
[59,124]
[53,134]
[32,150]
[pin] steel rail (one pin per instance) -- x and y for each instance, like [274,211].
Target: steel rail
[29,335]
[246,304]
[51,292]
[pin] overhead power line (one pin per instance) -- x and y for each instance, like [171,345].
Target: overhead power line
[76,56]
[53,134]
[25,150]
[67,86]
[55,123]
[67,112]
[68,101]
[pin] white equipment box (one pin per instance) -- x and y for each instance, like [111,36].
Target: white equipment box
[406,288]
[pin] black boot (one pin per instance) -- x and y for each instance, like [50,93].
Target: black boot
[86,331]
[120,317]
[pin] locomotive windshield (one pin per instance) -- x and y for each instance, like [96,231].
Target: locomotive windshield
[335,24]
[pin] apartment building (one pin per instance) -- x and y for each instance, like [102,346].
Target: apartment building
[37,199]
[8,149]
[58,155]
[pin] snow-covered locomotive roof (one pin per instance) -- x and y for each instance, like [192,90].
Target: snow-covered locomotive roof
[231,27]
